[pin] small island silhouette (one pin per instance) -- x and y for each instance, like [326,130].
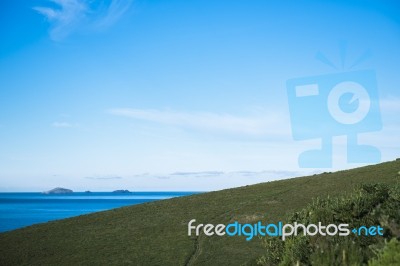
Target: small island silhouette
[121,191]
[58,190]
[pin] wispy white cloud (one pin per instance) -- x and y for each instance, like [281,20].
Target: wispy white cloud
[199,174]
[204,180]
[390,108]
[242,174]
[62,124]
[266,123]
[67,16]
[113,13]
[390,105]
[103,177]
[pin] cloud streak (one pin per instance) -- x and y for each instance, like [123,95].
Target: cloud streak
[241,174]
[103,177]
[199,174]
[69,16]
[113,13]
[62,125]
[259,124]
[65,18]
[390,105]
[203,180]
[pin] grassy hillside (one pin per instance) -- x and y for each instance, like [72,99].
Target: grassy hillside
[156,233]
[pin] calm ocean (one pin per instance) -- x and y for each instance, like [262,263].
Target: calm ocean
[23,209]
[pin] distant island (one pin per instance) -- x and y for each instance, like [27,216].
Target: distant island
[121,191]
[58,190]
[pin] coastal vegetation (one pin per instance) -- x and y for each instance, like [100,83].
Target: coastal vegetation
[155,233]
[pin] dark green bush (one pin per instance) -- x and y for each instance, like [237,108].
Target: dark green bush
[368,205]
[388,256]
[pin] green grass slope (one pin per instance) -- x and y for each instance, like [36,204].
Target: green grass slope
[156,233]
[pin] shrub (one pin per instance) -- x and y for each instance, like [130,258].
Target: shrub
[388,256]
[370,204]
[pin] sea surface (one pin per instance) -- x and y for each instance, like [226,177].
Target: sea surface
[23,209]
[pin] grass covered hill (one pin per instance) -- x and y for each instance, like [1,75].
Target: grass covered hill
[156,233]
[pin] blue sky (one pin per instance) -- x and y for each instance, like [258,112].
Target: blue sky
[177,95]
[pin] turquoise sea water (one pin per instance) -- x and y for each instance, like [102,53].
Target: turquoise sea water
[24,209]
